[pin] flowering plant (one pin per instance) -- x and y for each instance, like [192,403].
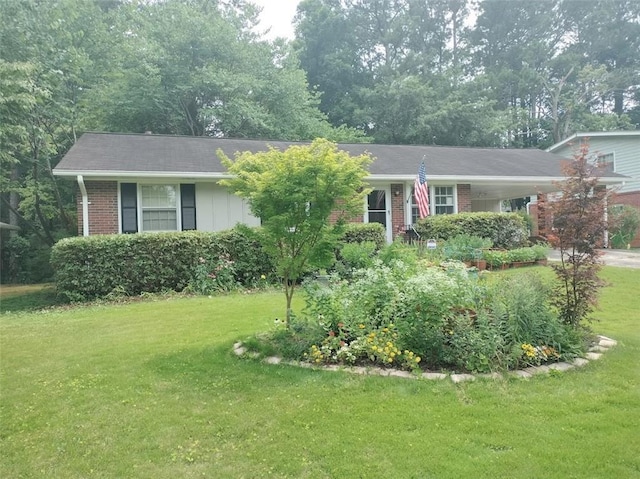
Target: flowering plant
[213,276]
[535,355]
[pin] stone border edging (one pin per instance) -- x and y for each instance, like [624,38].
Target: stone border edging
[595,352]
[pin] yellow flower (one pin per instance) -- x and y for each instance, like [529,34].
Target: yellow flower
[263,277]
[361,326]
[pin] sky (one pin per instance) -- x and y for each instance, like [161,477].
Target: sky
[278,15]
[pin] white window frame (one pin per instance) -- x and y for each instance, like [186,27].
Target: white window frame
[432,206]
[601,156]
[140,209]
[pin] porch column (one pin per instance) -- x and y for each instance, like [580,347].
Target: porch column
[464,198]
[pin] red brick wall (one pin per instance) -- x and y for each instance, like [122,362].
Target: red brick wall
[103,207]
[398,221]
[464,198]
[632,199]
[337,213]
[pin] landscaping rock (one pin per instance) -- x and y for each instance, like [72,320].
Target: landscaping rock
[561,366]
[607,343]
[580,362]
[593,356]
[520,374]
[458,378]
[401,374]
[434,376]
[273,360]
[597,349]
[533,370]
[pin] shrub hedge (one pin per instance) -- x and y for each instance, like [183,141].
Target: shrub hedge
[362,232]
[505,230]
[93,267]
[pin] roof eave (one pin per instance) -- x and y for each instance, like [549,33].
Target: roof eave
[105,174]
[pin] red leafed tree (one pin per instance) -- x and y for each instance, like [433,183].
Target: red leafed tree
[578,228]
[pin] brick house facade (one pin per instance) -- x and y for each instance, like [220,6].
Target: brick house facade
[131,182]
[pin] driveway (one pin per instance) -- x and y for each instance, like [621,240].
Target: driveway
[611,257]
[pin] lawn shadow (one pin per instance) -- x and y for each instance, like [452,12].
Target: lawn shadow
[22,298]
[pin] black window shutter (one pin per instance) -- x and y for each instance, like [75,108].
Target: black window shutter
[129,207]
[188,204]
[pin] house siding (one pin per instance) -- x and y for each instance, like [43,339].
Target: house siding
[218,209]
[626,154]
[103,207]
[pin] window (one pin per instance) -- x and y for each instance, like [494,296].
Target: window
[605,161]
[443,200]
[415,213]
[159,207]
[443,205]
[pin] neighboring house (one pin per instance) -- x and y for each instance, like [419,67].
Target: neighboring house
[618,151]
[132,183]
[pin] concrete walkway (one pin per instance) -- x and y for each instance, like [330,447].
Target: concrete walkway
[611,257]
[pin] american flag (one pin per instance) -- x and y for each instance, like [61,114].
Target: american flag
[421,191]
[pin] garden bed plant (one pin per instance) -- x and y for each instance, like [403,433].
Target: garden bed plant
[426,317]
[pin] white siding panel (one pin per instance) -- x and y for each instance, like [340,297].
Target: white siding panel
[204,206]
[626,153]
[217,209]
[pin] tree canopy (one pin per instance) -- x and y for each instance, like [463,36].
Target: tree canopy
[294,193]
[517,73]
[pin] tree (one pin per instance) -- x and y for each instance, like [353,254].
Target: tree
[578,229]
[294,193]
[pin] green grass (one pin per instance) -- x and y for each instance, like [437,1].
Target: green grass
[26,297]
[151,390]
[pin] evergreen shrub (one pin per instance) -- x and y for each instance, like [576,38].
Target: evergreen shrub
[92,267]
[361,232]
[505,230]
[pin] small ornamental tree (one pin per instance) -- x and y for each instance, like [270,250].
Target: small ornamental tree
[578,228]
[294,193]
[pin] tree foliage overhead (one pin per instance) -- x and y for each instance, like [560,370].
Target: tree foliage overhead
[518,73]
[294,192]
[175,67]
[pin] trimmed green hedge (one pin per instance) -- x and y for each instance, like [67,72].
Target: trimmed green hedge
[505,230]
[361,232]
[93,267]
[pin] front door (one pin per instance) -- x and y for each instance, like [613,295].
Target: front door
[379,210]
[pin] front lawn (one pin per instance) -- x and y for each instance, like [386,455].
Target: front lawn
[152,390]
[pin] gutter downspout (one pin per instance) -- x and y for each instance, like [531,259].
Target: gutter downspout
[85,206]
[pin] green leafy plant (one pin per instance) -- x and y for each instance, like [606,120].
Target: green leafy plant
[624,221]
[294,192]
[466,247]
[214,276]
[505,230]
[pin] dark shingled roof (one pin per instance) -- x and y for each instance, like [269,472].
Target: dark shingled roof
[104,153]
